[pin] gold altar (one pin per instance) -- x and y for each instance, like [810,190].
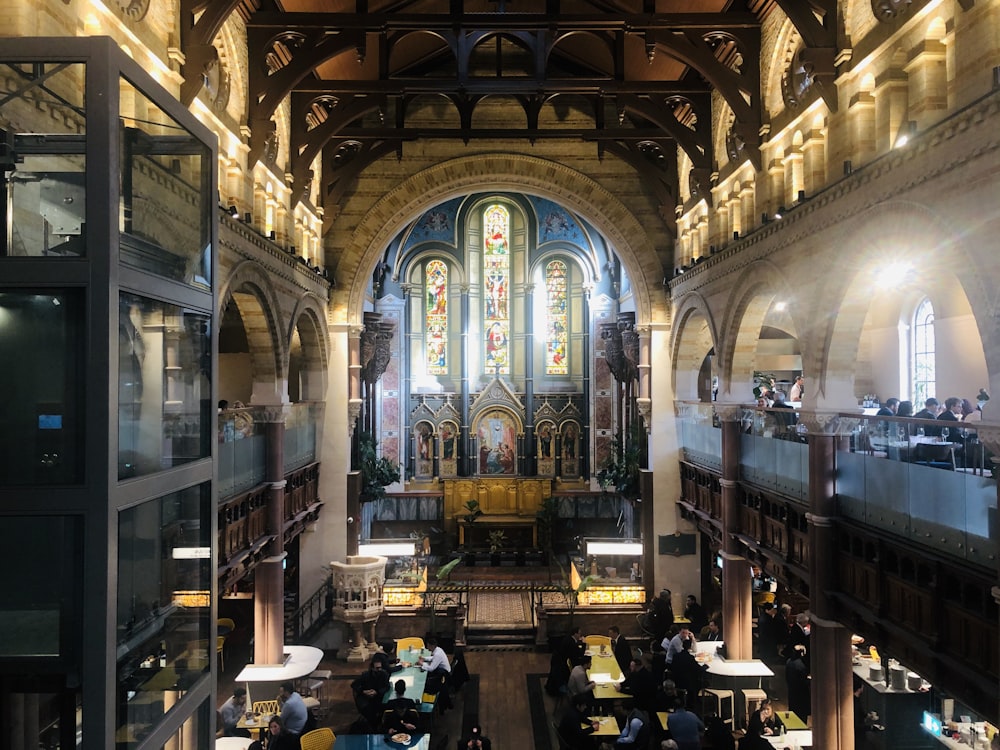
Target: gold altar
[508,503]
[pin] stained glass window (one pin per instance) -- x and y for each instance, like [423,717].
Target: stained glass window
[556,322]
[436,317]
[496,288]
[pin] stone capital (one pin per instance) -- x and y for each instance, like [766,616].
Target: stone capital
[273,413]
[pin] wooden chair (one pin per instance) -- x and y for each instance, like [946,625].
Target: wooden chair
[409,644]
[267,709]
[318,739]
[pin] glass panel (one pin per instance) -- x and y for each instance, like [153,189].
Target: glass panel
[43,605]
[43,127]
[241,453]
[300,436]
[164,386]
[166,203]
[41,347]
[165,570]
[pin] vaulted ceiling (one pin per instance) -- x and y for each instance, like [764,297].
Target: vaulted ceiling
[632,77]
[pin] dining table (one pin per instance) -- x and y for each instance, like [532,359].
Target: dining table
[604,670]
[791,720]
[382,742]
[413,676]
[232,743]
[607,726]
[792,740]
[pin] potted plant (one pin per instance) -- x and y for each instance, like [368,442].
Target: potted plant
[620,471]
[763,384]
[435,598]
[498,540]
[377,472]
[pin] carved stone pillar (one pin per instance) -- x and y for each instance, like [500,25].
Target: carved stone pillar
[737,600]
[830,642]
[357,591]
[269,578]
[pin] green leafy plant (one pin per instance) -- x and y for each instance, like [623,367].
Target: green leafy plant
[571,594]
[762,383]
[377,472]
[433,599]
[620,472]
[498,540]
[474,511]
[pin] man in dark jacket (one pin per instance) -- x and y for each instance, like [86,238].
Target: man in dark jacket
[369,690]
[620,648]
[639,684]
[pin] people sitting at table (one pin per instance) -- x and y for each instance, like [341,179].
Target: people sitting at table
[231,712]
[369,691]
[575,726]
[930,411]
[400,714]
[905,409]
[764,722]
[294,714]
[579,683]
[797,682]
[279,737]
[390,662]
[685,727]
[688,674]
[673,645]
[889,408]
[639,684]
[784,419]
[952,411]
[971,413]
[635,733]
[713,631]
[694,612]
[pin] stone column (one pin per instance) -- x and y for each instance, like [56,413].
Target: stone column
[269,578]
[737,599]
[830,642]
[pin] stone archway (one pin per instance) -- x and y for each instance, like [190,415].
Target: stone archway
[500,172]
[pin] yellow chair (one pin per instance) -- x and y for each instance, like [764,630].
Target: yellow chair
[226,622]
[267,709]
[409,644]
[597,640]
[318,739]
[220,645]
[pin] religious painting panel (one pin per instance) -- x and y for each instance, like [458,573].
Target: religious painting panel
[436,317]
[570,446]
[423,440]
[496,289]
[448,449]
[545,449]
[496,439]
[556,319]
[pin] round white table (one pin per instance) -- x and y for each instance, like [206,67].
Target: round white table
[232,743]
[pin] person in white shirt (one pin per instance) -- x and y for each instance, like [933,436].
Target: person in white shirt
[674,645]
[795,394]
[438,663]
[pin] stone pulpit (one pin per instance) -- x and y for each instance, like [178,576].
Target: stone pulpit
[357,590]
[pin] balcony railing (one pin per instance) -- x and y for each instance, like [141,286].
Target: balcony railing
[242,451]
[894,474]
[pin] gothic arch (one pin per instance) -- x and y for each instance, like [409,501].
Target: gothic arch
[249,287]
[694,335]
[746,311]
[504,172]
[309,319]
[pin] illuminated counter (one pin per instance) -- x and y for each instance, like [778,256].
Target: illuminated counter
[405,592]
[606,589]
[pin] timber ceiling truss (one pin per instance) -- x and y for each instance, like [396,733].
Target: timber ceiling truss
[641,81]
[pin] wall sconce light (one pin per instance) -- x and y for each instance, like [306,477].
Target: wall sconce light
[234,212]
[272,235]
[780,212]
[802,196]
[848,168]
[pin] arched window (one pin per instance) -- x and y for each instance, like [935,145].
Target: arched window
[923,379]
[556,319]
[436,317]
[496,288]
